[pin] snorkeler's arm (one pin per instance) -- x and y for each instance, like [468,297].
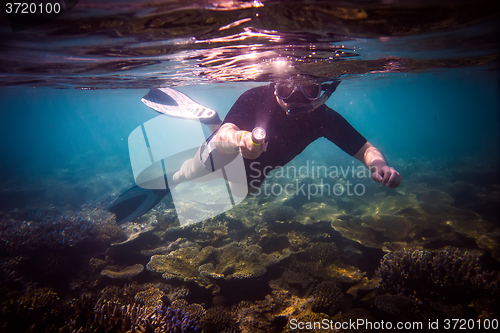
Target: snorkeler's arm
[370,156]
[375,161]
[229,137]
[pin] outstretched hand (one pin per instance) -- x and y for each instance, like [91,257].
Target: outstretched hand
[249,149]
[387,176]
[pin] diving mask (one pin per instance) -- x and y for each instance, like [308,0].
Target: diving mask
[298,98]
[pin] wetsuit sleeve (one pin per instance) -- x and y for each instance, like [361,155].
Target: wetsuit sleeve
[343,134]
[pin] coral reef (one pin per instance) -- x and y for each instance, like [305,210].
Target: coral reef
[176,321]
[133,230]
[298,240]
[313,212]
[151,297]
[306,266]
[274,311]
[54,233]
[411,220]
[396,304]
[217,233]
[120,294]
[237,261]
[120,318]
[180,264]
[243,271]
[364,286]
[327,297]
[219,319]
[279,213]
[321,253]
[204,265]
[50,263]
[158,250]
[42,311]
[440,273]
[109,232]
[194,310]
[113,316]
[97,263]
[296,279]
[122,273]
[176,293]
[344,274]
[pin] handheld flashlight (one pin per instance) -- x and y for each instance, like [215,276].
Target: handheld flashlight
[258,135]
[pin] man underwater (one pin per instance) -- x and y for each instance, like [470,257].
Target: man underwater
[293,114]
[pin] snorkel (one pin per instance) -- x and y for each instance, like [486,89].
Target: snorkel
[326,95]
[298,110]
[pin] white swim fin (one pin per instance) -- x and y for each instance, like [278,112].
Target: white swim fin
[174,103]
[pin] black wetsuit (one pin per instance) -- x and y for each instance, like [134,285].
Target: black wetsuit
[287,136]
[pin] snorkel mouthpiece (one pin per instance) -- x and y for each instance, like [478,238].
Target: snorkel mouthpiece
[296,105]
[294,111]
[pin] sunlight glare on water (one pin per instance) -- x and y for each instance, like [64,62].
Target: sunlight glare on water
[144,44]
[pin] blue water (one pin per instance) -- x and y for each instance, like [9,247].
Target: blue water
[436,116]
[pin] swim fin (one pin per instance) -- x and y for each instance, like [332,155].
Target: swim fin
[174,103]
[135,202]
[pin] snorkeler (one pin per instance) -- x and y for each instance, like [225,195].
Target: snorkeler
[291,112]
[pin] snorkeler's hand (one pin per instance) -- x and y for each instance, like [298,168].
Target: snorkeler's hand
[250,149]
[387,176]
[229,137]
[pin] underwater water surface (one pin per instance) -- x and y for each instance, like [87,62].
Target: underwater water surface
[320,245]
